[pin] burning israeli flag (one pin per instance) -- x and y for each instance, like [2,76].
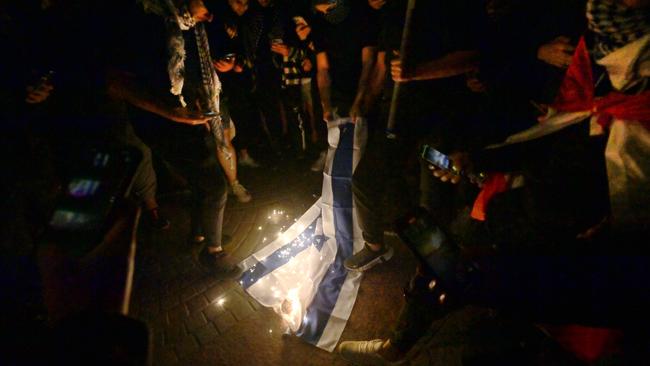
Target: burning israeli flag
[301,274]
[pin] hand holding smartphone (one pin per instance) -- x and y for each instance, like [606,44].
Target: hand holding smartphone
[446,169]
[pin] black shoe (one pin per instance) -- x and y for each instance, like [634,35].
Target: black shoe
[220,262]
[367,258]
[198,240]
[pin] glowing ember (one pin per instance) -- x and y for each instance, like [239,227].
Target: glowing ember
[291,310]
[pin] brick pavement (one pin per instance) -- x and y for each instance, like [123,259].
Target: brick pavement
[199,318]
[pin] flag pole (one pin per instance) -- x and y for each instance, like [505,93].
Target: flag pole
[405,50]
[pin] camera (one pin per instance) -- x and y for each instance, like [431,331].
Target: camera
[429,243]
[96,181]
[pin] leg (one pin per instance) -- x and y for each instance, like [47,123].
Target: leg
[368,185]
[144,182]
[308,109]
[209,188]
[228,159]
[369,188]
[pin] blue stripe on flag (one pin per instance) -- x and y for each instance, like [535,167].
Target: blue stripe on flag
[282,256]
[320,310]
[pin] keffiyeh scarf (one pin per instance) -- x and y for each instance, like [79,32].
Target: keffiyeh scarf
[615,25]
[177,21]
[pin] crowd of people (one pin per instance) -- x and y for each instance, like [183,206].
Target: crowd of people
[540,106]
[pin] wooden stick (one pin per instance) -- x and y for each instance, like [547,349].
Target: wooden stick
[404,55]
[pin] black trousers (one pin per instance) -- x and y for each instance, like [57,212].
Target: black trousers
[243,109]
[384,165]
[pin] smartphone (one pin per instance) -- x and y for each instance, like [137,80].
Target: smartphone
[228,57]
[96,181]
[276,41]
[436,158]
[442,161]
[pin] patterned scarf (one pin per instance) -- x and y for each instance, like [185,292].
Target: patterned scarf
[176,22]
[615,25]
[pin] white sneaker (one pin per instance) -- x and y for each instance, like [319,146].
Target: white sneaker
[365,352]
[319,164]
[248,162]
[241,192]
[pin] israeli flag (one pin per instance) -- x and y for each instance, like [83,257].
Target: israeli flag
[301,274]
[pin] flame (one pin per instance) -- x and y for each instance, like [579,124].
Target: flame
[291,310]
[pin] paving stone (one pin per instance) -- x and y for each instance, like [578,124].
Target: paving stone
[195,320]
[256,305]
[165,357]
[221,317]
[214,292]
[187,346]
[177,315]
[169,302]
[201,283]
[173,334]
[238,305]
[187,293]
[197,303]
[206,334]
[157,338]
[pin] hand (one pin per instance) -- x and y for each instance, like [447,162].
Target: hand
[328,116]
[596,230]
[473,83]
[303,31]
[280,48]
[324,8]
[231,31]
[183,115]
[376,4]
[396,70]
[459,162]
[40,94]
[558,52]
[355,112]
[307,65]
[224,65]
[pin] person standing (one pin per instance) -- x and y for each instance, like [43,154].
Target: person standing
[174,88]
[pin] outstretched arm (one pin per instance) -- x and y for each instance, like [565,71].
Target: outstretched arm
[451,64]
[125,86]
